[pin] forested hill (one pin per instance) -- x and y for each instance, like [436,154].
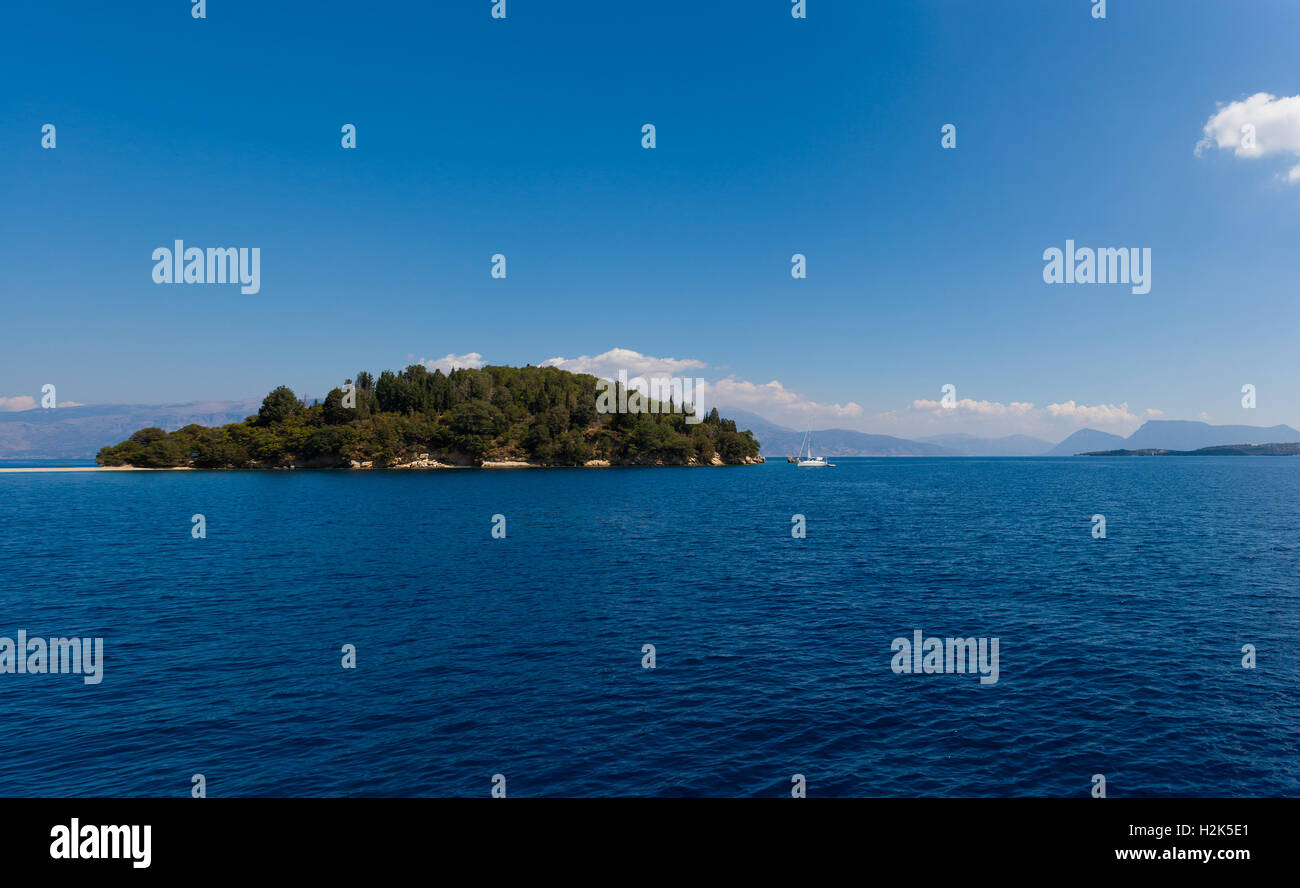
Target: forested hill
[540,415]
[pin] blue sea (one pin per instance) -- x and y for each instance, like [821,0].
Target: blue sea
[523,656]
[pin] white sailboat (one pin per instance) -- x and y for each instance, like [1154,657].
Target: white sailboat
[810,461]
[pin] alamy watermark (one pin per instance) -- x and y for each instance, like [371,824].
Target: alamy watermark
[919,655]
[1105,265]
[215,265]
[93,842]
[38,656]
[669,394]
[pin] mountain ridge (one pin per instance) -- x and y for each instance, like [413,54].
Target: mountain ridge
[1175,435]
[1006,445]
[79,432]
[777,440]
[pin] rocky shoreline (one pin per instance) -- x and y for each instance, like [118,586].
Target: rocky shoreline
[424,461]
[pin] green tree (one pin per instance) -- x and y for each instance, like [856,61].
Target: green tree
[278,406]
[333,411]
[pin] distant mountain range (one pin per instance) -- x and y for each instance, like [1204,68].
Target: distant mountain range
[1182,435]
[1086,441]
[1156,434]
[778,441]
[1011,445]
[79,433]
[1174,434]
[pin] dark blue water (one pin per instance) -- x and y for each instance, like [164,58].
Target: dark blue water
[522,656]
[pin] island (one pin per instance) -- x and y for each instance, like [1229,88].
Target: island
[1221,450]
[490,417]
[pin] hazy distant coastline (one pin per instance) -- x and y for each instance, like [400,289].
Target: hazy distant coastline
[72,433]
[1223,450]
[1175,435]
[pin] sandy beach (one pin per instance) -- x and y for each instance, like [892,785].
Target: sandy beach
[100,469]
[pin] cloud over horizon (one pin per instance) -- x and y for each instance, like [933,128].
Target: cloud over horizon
[996,419]
[773,396]
[1099,414]
[1258,126]
[608,364]
[968,406]
[16,403]
[778,404]
[450,362]
[27,402]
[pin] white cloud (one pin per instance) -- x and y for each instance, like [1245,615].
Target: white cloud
[1100,414]
[27,402]
[923,417]
[1275,123]
[449,362]
[771,400]
[774,400]
[778,404]
[608,364]
[968,407]
[994,418]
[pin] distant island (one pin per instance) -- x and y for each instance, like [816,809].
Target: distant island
[1222,450]
[414,418]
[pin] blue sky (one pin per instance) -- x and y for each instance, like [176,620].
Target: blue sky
[522,136]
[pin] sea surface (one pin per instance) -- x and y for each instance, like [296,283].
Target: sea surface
[523,656]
